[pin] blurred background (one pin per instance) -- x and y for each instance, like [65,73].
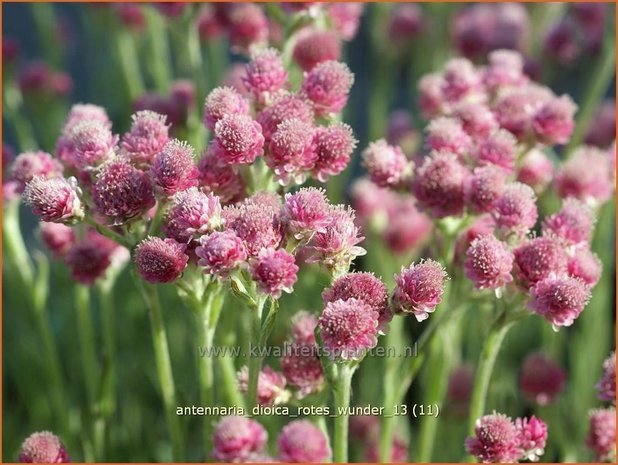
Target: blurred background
[167,57]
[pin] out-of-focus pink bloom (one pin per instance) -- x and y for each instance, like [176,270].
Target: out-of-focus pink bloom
[495,439]
[603,132]
[159,260]
[346,17]
[387,165]
[573,223]
[173,169]
[238,139]
[477,119]
[419,289]
[58,238]
[89,258]
[481,226]
[601,437]
[370,201]
[305,212]
[236,439]
[256,226]
[431,98]
[561,42]
[536,169]
[348,328]
[399,451]
[516,107]
[43,447]
[208,23]
[265,75]
[461,79]
[506,68]
[291,150]
[499,149]
[515,210]
[301,441]
[606,386]
[28,165]
[221,102]
[170,9]
[459,390]
[541,380]
[38,78]
[439,185]
[85,112]
[122,192]
[285,106]
[270,388]
[182,96]
[405,22]
[447,134]
[10,50]
[401,131]
[274,272]
[585,265]
[365,287]
[313,47]
[246,25]
[537,259]
[484,187]
[93,143]
[219,178]
[488,263]
[131,15]
[554,122]
[327,86]
[303,327]
[148,135]
[334,145]
[406,228]
[220,252]
[190,213]
[234,78]
[586,175]
[559,299]
[54,200]
[532,437]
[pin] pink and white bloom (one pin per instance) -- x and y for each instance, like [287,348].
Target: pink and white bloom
[419,289]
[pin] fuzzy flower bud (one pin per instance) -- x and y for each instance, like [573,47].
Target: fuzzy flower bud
[301,441]
[573,223]
[270,388]
[219,178]
[431,96]
[191,213]
[606,387]
[559,299]
[285,106]
[506,68]
[159,260]
[536,259]
[460,79]
[93,143]
[587,176]
[386,164]
[498,149]
[601,437]
[488,263]
[274,271]
[532,437]
[57,237]
[43,447]
[541,379]
[515,210]
[220,252]
[484,187]
[55,200]
[495,439]
[148,135]
[447,134]
[327,86]
[305,212]
[174,170]
[236,439]
[334,146]
[536,170]
[477,119]
[265,75]
[419,289]
[292,150]
[346,18]
[247,25]
[28,165]
[300,362]
[585,265]
[89,258]
[554,122]
[314,47]
[255,225]
[238,139]
[221,102]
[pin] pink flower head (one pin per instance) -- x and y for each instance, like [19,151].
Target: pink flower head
[291,150]
[236,439]
[336,246]
[346,17]
[93,143]
[255,225]
[495,439]
[603,132]
[284,106]
[515,210]
[148,135]
[81,112]
[399,451]
[247,25]
[459,390]
[439,185]
[532,437]
[447,134]
[386,164]
[173,169]
[365,287]
[334,145]
[221,102]
[219,178]
[405,22]
[130,15]
[560,42]
[122,192]
[506,68]
[541,379]
[220,252]
[57,237]
[238,139]
[54,200]
[370,201]
[585,265]
[498,149]
[208,24]
[314,47]
[477,119]
[460,79]
[601,437]
[159,260]
[488,263]
[303,327]
[302,367]
[89,258]
[554,122]
[28,165]
[559,299]
[43,447]
[536,259]
[265,75]
[348,328]
[270,388]
[516,108]
[573,223]
[484,187]
[431,96]
[301,441]
[407,228]
[274,271]
[327,86]
[587,176]
[305,212]
[536,170]
[191,212]
[606,386]
[419,289]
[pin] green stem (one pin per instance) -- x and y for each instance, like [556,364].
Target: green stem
[108,232]
[14,243]
[159,51]
[87,343]
[129,64]
[45,20]
[341,391]
[255,362]
[13,106]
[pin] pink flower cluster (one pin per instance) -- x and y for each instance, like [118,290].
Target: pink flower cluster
[499,439]
[43,447]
